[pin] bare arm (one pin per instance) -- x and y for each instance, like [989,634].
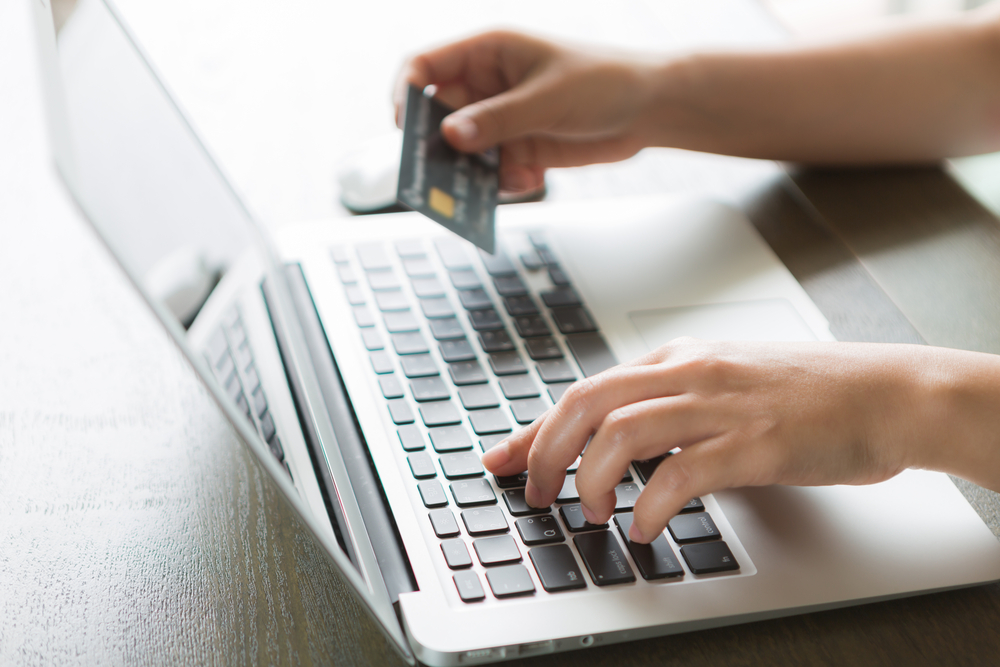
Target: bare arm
[907,93]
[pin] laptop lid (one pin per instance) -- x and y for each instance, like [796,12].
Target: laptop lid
[160,202]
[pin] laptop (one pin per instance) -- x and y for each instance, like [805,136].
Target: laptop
[368,363]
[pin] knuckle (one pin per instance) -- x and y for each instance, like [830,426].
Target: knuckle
[621,425]
[578,397]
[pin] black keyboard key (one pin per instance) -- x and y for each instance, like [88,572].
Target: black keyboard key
[591,352]
[709,558]
[555,370]
[418,365]
[456,554]
[381,362]
[355,296]
[542,347]
[400,411]
[693,505]
[383,281]
[510,580]
[436,308]
[402,322]
[450,439]
[363,316]
[561,297]
[418,267]
[497,550]
[488,421]
[697,527]
[409,343]
[626,495]
[427,288]
[347,275]
[464,279]
[259,402]
[497,264]
[646,468]
[655,560]
[469,587]
[487,442]
[510,285]
[573,320]
[466,372]
[432,493]
[507,363]
[532,261]
[604,558]
[373,257]
[527,410]
[446,329]
[557,568]
[512,481]
[372,340]
[518,506]
[520,305]
[485,320]
[339,255]
[557,275]
[475,299]
[548,257]
[473,492]
[439,413]
[456,350]
[518,386]
[429,389]
[421,465]
[484,520]
[539,530]
[274,444]
[388,302]
[390,386]
[461,464]
[478,396]
[557,390]
[411,438]
[575,521]
[445,525]
[568,493]
[531,325]
[495,341]
[452,253]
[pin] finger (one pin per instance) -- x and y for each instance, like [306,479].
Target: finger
[519,178]
[713,465]
[545,152]
[636,432]
[582,409]
[510,456]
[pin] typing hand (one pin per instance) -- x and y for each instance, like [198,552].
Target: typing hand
[546,105]
[752,414]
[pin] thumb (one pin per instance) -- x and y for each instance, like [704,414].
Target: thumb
[511,114]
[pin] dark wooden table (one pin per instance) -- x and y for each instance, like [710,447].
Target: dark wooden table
[134,528]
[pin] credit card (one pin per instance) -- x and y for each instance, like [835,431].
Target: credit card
[456,190]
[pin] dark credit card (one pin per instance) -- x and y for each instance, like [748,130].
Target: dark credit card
[457,190]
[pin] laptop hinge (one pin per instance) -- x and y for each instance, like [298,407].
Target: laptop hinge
[379,524]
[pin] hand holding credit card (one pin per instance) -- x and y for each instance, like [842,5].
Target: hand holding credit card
[456,190]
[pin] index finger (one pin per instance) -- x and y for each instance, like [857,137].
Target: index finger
[437,66]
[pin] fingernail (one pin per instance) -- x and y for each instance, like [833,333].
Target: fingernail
[515,181]
[589,516]
[532,495]
[635,534]
[498,456]
[463,126]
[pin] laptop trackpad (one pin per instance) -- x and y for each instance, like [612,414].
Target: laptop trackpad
[768,319]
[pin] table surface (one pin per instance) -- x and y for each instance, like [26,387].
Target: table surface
[137,529]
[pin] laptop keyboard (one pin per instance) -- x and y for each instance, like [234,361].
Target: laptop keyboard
[464,352]
[229,356]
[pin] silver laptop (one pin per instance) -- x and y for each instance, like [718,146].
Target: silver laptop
[369,362]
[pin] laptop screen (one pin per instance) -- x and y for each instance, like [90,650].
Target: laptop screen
[139,171]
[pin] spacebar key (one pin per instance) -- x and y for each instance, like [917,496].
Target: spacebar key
[591,352]
[604,558]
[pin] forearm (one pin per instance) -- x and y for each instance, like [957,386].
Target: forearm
[916,93]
